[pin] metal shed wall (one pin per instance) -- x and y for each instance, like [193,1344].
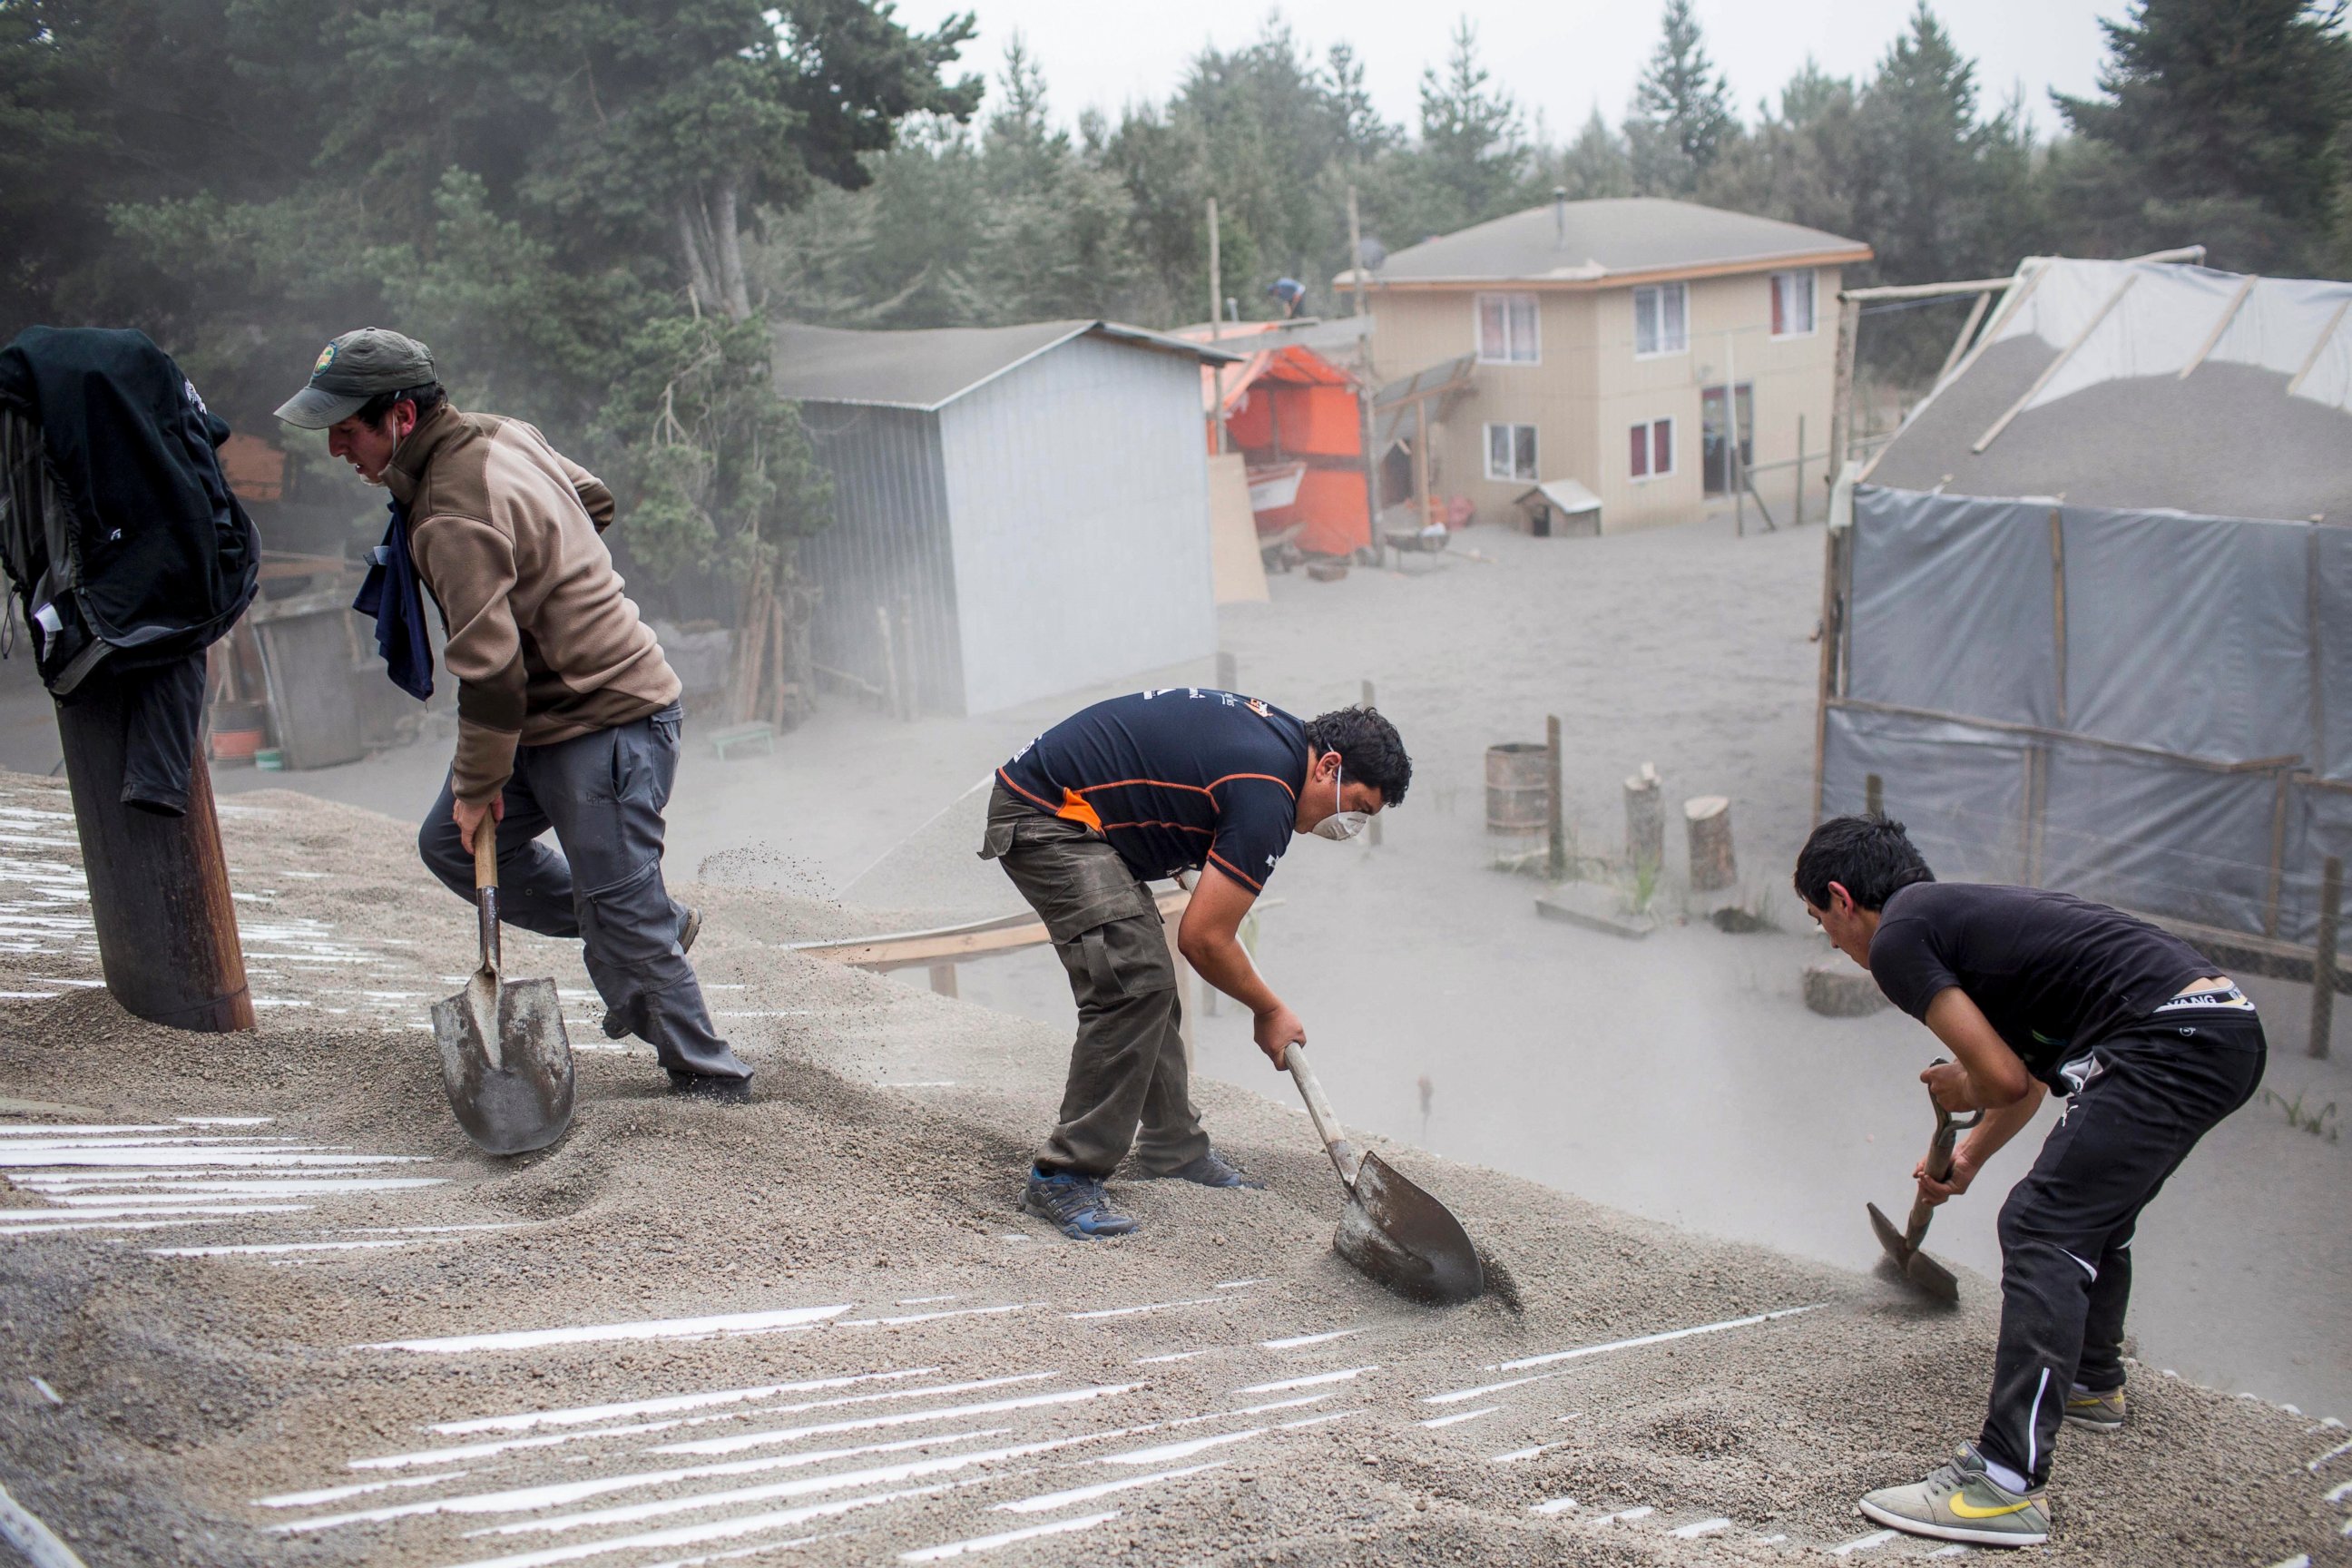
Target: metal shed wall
[1078,486]
[888,546]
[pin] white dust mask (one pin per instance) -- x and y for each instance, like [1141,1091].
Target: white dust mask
[1340,826]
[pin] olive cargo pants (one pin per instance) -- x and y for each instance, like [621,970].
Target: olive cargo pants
[1129,1085]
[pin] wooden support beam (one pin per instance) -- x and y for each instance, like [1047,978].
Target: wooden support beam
[2050,371]
[953,945]
[2058,604]
[1841,385]
[2220,325]
[1928,290]
[2311,361]
[1968,333]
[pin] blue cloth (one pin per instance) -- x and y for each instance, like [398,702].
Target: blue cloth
[394,597]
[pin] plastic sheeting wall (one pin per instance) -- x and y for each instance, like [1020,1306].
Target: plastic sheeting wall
[2192,645]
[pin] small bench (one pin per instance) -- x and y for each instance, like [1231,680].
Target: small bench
[758,734]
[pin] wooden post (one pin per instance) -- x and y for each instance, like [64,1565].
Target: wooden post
[1645,820]
[943,979]
[1832,541]
[1797,485]
[911,687]
[1707,820]
[1216,279]
[1841,386]
[2323,958]
[1556,835]
[1365,388]
[1873,794]
[1371,828]
[889,659]
[2058,604]
[158,885]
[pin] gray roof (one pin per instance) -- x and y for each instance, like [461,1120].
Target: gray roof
[2228,441]
[1586,242]
[929,368]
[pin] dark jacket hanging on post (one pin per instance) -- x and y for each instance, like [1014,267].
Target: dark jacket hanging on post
[129,556]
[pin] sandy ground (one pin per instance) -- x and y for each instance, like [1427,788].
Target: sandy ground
[279,1311]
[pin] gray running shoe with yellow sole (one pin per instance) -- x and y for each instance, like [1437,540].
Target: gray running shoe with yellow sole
[1961,1503]
[2101,1410]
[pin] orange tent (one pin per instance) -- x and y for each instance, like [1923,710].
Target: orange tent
[1295,417]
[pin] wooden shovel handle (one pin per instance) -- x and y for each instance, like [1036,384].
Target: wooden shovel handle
[1949,1129]
[1318,1110]
[485,887]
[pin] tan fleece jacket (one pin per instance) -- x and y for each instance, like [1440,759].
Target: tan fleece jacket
[545,645]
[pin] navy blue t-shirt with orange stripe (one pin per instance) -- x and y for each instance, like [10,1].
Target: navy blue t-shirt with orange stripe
[1175,779]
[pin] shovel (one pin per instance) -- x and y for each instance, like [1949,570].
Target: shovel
[504,1058]
[1903,1246]
[1395,1233]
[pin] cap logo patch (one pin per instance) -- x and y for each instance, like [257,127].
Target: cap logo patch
[326,358]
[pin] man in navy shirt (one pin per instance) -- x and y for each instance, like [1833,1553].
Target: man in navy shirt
[1133,790]
[2032,992]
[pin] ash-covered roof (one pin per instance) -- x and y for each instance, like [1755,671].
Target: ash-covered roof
[2186,388]
[929,368]
[1612,237]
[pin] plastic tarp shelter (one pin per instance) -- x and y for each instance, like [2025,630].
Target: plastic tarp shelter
[2065,658]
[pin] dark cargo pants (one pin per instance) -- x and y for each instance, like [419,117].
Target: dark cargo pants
[601,883]
[2148,1093]
[1128,1084]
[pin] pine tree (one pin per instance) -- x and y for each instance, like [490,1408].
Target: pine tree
[1472,155]
[2223,121]
[1682,119]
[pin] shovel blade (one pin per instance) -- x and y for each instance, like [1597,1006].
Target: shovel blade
[1889,1238]
[1404,1239]
[505,1062]
[1926,1275]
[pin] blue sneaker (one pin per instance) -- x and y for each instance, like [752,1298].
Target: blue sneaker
[1076,1204]
[1210,1170]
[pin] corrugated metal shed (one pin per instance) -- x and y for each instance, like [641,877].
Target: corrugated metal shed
[1026,506]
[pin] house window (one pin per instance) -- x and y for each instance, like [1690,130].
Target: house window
[1792,304]
[1653,450]
[1662,319]
[1507,329]
[1510,451]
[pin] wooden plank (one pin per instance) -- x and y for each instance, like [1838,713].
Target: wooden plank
[1968,336]
[2050,371]
[1928,290]
[2058,603]
[1833,539]
[2242,952]
[953,945]
[1841,385]
[2229,314]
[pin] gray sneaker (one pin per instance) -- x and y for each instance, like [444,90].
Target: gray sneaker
[2101,1410]
[1960,1502]
[1210,1170]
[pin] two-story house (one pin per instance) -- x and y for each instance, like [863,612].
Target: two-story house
[1611,340]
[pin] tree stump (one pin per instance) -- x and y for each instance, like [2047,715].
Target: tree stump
[1645,820]
[1713,867]
[1837,987]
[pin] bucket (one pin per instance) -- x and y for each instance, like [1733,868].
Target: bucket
[236,745]
[1519,796]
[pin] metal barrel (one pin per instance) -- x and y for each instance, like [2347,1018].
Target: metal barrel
[1519,796]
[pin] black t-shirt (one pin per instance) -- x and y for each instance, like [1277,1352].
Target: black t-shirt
[2053,973]
[1175,779]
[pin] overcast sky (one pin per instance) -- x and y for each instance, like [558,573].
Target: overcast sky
[1560,57]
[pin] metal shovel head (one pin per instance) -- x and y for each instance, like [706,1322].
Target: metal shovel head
[1924,1272]
[1403,1238]
[505,1062]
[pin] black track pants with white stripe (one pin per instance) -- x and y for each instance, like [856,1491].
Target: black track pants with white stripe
[2066,1230]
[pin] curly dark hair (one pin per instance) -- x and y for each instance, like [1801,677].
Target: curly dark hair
[427,397]
[1870,855]
[1370,751]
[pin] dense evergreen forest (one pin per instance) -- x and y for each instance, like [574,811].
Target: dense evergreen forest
[590,208]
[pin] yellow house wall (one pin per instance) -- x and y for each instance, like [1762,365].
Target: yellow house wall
[1589,389]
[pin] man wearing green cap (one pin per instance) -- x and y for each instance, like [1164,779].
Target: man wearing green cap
[567,712]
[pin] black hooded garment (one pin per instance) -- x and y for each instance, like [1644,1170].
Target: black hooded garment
[126,548]
[161,559]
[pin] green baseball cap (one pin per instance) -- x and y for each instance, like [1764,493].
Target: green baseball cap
[354,368]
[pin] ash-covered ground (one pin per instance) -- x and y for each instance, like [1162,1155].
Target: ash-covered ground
[261,1303]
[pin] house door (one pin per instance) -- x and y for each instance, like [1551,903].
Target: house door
[1715,448]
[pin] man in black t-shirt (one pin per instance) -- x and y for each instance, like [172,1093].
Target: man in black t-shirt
[1129,791]
[2035,990]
